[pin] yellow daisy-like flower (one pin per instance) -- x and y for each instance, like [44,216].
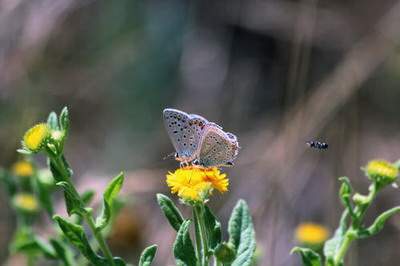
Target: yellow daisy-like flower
[381,172]
[22,169]
[35,138]
[26,202]
[311,234]
[194,183]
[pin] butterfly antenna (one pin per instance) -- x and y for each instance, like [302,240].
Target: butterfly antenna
[173,154]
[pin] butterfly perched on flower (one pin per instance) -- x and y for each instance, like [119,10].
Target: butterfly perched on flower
[198,141]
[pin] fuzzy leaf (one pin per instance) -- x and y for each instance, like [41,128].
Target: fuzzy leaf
[64,119]
[111,192]
[308,256]
[183,248]
[213,228]
[332,245]
[378,224]
[52,121]
[73,202]
[241,234]
[170,211]
[76,235]
[147,256]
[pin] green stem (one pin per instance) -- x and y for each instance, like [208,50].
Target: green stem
[58,162]
[349,236]
[197,235]
[100,239]
[199,209]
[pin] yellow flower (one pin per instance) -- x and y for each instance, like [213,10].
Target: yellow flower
[381,172]
[194,183]
[35,138]
[22,168]
[26,202]
[311,234]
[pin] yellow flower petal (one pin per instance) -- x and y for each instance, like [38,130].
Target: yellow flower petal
[26,202]
[36,136]
[382,171]
[22,168]
[311,234]
[194,183]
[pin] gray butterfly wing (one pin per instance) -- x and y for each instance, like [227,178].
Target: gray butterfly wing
[218,148]
[185,132]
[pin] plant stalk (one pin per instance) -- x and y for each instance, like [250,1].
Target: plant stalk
[199,210]
[349,236]
[59,163]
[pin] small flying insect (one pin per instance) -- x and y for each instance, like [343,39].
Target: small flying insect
[317,145]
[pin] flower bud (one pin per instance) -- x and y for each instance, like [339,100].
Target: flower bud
[36,137]
[22,169]
[26,203]
[225,252]
[381,172]
[311,234]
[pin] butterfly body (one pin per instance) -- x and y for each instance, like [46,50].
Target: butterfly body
[317,145]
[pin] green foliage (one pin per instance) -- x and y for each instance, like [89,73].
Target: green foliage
[241,234]
[213,228]
[351,226]
[147,256]
[308,256]
[183,248]
[109,195]
[225,253]
[170,211]
[73,202]
[76,235]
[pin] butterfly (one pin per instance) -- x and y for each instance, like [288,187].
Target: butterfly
[217,148]
[198,141]
[185,131]
[317,145]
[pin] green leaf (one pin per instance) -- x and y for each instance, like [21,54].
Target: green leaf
[345,194]
[241,234]
[378,224]
[87,196]
[25,241]
[308,256]
[63,252]
[76,235]
[332,245]
[109,195]
[44,196]
[170,211]
[73,202]
[52,121]
[183,248]
[147,256]
[213,228]
[64,119]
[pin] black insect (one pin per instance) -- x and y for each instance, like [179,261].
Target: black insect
[317,145]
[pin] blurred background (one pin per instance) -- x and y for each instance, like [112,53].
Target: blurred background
[276,73]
